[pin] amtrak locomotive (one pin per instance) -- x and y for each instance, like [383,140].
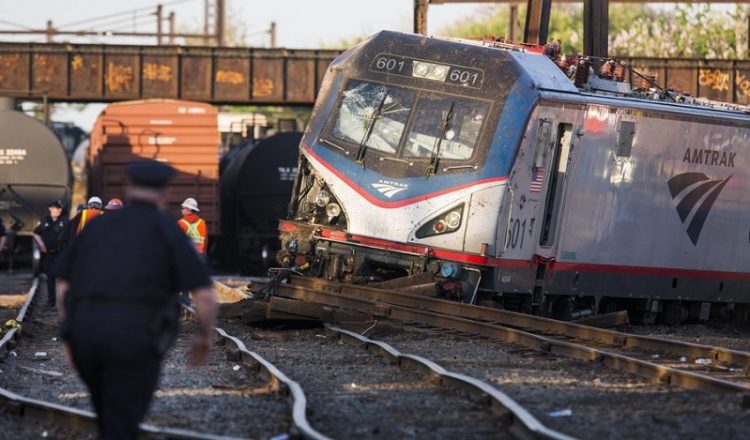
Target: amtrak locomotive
[486,175]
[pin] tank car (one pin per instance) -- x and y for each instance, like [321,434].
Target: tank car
[488,176]
[34,171]
[255,188]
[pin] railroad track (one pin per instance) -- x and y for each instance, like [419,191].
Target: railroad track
[673,362]
[73,419]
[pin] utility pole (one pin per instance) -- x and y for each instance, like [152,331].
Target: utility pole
[171,27]
[220,23]
[420,17]
[50,31]
[272,31]
[158,24]
[537,21]
[513,24]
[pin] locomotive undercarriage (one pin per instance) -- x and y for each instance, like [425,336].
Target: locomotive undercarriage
[305,251]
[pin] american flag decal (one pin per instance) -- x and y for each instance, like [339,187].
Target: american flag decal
[537,179]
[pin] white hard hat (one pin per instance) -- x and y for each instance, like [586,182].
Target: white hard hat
[95,199]
[190,203]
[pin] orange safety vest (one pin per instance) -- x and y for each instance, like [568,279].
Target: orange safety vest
[87,215]
[195,230]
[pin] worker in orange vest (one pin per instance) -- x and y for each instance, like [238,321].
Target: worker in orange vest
[93,210]
[195,228]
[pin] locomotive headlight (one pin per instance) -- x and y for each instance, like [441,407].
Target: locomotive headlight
[453,219]
[333,210]
[420,68]
[435,72]
[322,198]
[446,222]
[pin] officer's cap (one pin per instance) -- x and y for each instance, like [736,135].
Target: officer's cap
[150,173]
[56,204]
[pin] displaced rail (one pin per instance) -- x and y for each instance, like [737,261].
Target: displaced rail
[669,361]
[520,423]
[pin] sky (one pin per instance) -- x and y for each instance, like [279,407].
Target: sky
[312,24]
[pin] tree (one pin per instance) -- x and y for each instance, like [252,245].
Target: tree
[694,31]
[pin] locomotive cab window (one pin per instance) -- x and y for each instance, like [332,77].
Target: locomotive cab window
[625,139]
[373,115]
[445,127]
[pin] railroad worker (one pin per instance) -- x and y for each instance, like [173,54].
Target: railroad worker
[113,204]
[118,285]
[194,228]
[47,235]
[92,210]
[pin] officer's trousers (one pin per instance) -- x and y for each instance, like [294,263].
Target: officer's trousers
[117,358]
[48,264]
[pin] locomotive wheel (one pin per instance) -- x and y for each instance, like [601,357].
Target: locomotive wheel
[675,313]
[36,258]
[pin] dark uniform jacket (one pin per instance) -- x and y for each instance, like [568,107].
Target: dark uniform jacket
[136,256]
[50,231]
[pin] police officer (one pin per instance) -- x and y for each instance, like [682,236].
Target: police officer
[118,285]
[47,235]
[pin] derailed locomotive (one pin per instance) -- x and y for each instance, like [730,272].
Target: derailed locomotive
[486,175]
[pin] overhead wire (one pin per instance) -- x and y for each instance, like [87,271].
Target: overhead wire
[125,19]
[10,23]
[89,21]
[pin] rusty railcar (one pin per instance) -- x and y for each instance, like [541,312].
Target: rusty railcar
[183,134]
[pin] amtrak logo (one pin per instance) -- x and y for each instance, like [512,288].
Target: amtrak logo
[388,189]
[695,186]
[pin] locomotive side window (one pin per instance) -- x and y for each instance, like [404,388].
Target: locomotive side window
[625,139]
[542,140]
[446,127]
[373,115]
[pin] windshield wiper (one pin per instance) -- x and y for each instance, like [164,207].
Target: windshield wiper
[368,131]
[444,124]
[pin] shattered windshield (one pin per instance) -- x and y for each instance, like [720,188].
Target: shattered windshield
[464,120]
[375,108]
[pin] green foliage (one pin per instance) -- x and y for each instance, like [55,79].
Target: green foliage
[691,31]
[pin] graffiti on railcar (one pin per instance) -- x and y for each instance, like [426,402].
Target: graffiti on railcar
[76,63]
[743,84]
[229,77]
[119,77]
[157,72]
[714,79]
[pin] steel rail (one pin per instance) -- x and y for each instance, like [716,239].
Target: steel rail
[666,374]
[535,323]
[10,334]
[523,424]
[279,380]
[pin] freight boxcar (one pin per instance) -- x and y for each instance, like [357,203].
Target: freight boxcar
[183,134]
